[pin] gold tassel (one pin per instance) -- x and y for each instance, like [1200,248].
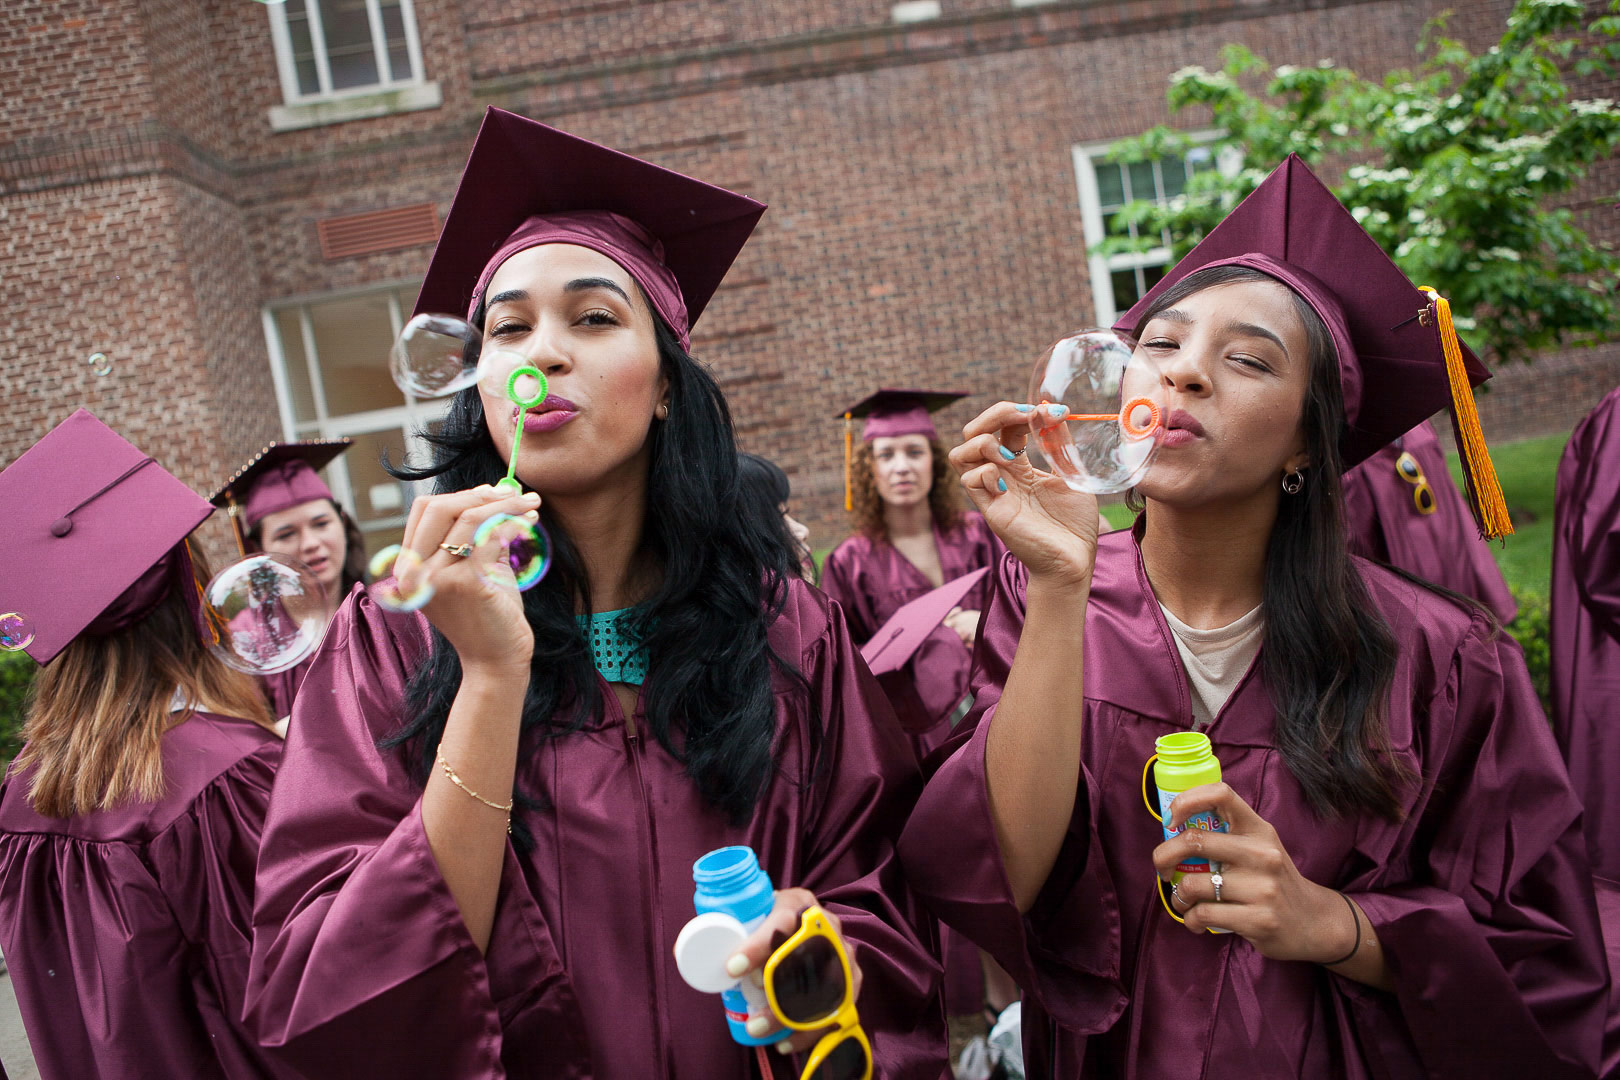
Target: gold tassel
[235,514]
[210,616]
[1484,491]
[849,455]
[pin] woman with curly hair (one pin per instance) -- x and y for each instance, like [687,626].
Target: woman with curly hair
[910,537]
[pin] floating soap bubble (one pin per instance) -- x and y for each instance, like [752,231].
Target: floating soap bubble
[100,363]
[16,631]
[270,611]
[513,548]
[387,567]
[1107,438]
[429,359]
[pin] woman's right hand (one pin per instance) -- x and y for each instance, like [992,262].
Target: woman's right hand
[482,619]
[1048,526]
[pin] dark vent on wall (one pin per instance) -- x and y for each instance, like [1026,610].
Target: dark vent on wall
[378,230]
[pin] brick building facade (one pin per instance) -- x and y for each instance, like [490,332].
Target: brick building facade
[181,190]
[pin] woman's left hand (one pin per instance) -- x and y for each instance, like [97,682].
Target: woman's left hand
[784,919]
[1264,898]
[965,623]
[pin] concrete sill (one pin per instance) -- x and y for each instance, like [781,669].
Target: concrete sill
[364,106]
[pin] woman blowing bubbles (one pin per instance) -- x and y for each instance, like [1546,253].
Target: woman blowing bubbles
[1404,875]
[400,929]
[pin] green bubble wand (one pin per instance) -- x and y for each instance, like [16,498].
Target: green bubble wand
[509,482]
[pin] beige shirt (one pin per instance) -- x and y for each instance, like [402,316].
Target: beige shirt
[1215,660]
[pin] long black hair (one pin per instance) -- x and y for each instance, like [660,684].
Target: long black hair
[762,494]
[708,696]
[1328,656]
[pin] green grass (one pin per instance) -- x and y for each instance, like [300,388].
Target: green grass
[1528,470]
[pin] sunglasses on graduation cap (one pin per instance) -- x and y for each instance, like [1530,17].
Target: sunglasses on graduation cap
[1408,469]
[809,985]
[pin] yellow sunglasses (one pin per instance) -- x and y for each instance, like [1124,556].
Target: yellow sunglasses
[1407,467]
[809,985]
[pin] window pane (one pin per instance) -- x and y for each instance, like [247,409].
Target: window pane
[303,48]
[352,339]
[349,52]
[296,366]
[378,497]
[1110,185]
[1199,159]
[1151,276]
[1174,174]
[399,58]
[1126,289]
[1142,185]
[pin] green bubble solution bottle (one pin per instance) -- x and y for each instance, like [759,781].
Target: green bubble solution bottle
[1185,760]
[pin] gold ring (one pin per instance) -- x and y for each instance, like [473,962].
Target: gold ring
[462,550]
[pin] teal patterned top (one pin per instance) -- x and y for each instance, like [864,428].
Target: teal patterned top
[619,657]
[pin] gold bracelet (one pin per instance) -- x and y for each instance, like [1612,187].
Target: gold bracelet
[456,780]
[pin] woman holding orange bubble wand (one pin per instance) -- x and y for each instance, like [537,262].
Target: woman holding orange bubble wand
[490,803]
[1392,846]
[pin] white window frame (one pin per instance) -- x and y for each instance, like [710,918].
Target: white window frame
[281,38]
[1102,267]
[410,417]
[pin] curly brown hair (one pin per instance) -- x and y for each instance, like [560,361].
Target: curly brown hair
[868,505]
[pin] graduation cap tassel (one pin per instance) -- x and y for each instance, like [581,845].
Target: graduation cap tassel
[1484,491]
[849,453]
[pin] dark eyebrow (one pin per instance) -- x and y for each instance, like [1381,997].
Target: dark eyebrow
[584,283]
[1251,330]
[577,285]
[1181,318]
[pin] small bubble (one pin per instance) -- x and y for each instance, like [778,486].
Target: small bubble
[387,567]
[518,551]
[100,363]
[16,631]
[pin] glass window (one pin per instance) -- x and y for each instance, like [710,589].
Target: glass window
[1118,281]
[352,339]
[331,47]
[345,341]
[290,328]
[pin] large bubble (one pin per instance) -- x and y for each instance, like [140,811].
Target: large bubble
[429,359]
[16,631]
[1106,429]
[270,612]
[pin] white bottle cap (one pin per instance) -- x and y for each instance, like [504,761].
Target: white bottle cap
[703,947]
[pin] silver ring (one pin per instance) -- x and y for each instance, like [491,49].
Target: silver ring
[1215,880]
[1019,452]
[1175,894]
[461,550]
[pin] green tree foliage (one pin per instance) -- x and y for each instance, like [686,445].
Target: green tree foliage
[16,675]
[1457,167]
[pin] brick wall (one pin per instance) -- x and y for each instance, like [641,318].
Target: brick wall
[924,226]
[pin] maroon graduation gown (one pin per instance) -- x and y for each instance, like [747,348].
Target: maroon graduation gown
[1481,897]
[1443,547]
[362,966]
[282,686]
[871,580]
[1585,617]
[127,931]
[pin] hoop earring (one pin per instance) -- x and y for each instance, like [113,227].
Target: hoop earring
[663,411]
[1293,482]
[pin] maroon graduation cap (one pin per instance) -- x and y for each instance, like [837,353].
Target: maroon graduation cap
[1400,360]
[279,477]
[527,184]
[92,531]
[903,634]
[890,413]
